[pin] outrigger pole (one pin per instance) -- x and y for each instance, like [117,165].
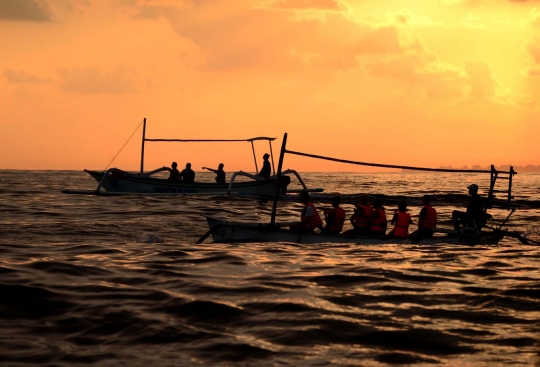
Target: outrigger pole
[278,180]
[493,172]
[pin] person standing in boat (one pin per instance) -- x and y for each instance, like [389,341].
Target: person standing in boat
[475,216]
[187,175]
[427,220]
[361,216]
[266,170]
[377,219]
[220,173]
[401,221]
[334,217]
[174,174]
[310,218]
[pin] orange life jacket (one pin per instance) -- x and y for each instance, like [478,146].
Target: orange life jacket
[401,228]
[311,222]
[430,220]
[339,219]
[361,220]
[378,224]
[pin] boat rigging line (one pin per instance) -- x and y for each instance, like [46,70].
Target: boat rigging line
[144,120]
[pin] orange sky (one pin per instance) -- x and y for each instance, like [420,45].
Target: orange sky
[415,82]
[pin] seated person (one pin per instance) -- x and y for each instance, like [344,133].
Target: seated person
[377,219]
[309,218]
[427,220]
[220,173]
[401,221]
[174,174]
[334,217]
[361,217]
[187,175]
[266,170]
[476,215]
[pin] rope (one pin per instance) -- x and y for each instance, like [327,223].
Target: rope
[124,145]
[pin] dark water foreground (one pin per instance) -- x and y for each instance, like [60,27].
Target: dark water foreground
[119,282]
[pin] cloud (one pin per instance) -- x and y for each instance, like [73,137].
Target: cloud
[417,68]
[22,77]
[90,80]
[480,79]
[406,18]
[328,5]
[472,21]
[26,10]
[278,41]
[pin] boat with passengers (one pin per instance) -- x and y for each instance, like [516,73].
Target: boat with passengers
[114,181]
[224,230]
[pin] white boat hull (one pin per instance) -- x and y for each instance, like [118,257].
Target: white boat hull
[224,231]
[121,182]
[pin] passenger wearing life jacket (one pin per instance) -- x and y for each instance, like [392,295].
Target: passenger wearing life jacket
[377,219]
[401,222]
[310,218]
[334,217]
[427,220]
[360,219]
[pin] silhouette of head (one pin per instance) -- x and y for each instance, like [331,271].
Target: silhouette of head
[221,165]
[402,206]
[426,200]
[473,189]
[174,165]
[362,200]
[304,197]
[377,203]
[336,200]
[188,165]
[266,156]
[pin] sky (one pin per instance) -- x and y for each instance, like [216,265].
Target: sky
[403,82]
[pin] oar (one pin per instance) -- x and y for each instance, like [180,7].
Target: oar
[210,231]
[521,239]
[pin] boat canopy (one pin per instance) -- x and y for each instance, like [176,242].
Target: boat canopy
[250,140]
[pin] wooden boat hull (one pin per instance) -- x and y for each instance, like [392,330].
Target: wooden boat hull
[224,231]
[121,182]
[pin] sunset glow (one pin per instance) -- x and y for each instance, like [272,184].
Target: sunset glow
[424,83]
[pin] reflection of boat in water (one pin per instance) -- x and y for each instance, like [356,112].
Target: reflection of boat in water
[223,230]
[115,181]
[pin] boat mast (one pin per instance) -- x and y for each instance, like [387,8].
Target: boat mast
[254,157]
[278,180]
[142,149]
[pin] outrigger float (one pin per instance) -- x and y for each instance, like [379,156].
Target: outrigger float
[224,231]
[114,181]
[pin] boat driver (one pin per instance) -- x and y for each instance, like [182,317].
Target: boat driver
[476,215]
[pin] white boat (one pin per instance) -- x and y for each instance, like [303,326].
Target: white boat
[115,181]
[223,230]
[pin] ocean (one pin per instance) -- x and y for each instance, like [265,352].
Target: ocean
[119,281]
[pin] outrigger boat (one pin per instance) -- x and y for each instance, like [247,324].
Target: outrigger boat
[223,230]
[115,181]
